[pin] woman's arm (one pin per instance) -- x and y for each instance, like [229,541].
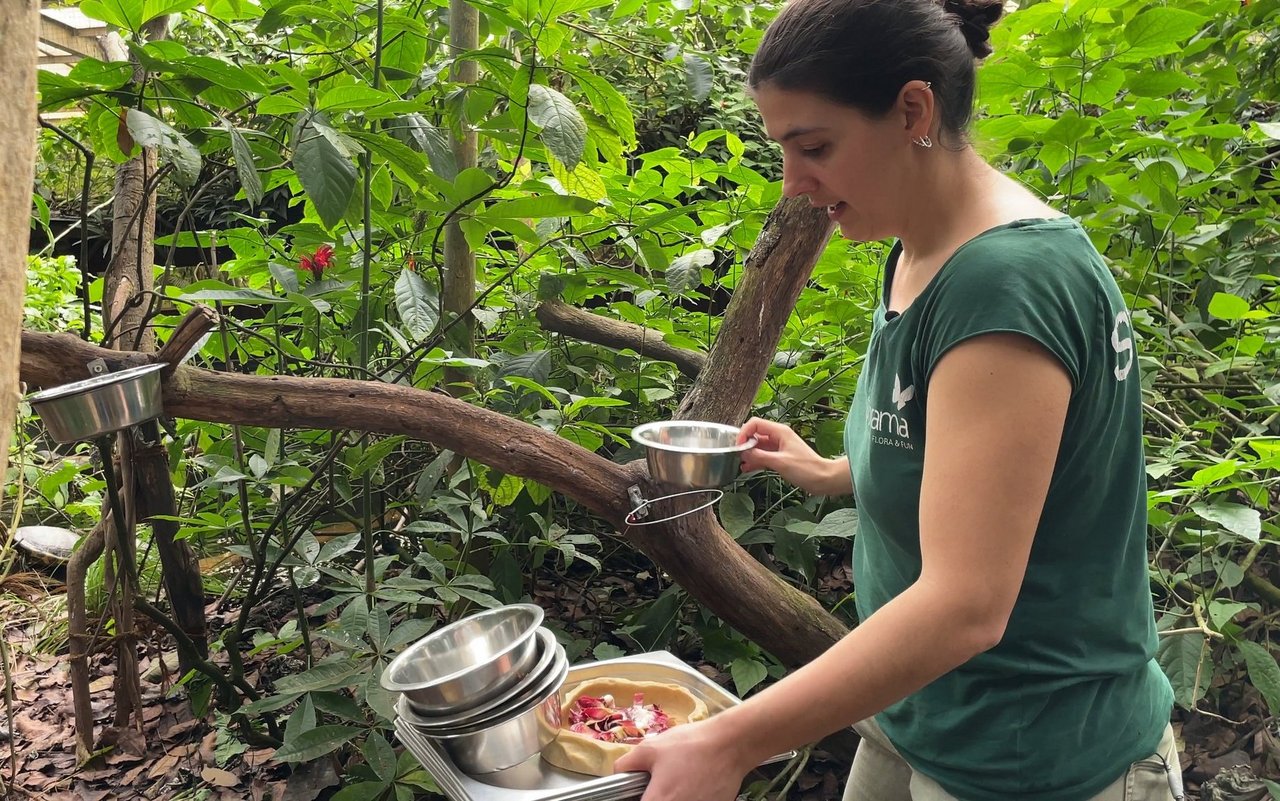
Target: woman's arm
[997,404]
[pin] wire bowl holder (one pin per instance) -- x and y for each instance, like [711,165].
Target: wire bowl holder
[640,510]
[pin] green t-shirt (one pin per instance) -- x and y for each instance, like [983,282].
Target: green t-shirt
[1071,695]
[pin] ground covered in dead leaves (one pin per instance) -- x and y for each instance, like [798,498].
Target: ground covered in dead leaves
[178,756]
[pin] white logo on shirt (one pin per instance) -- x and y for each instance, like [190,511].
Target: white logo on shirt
[1122,343]
[902,396]
[889,428]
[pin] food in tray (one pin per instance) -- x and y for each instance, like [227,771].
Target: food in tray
[602,719]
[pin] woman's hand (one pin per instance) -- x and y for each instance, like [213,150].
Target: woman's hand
[781,450]
[687,762]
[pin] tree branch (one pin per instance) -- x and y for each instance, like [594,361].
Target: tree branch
[560,317]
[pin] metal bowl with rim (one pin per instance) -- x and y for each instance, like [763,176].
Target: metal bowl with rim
[692,454]
[549,653]
[518,735]
[536,685]
[468,661]
[99,405]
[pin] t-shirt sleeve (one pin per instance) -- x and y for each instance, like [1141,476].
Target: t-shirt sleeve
[1014,290]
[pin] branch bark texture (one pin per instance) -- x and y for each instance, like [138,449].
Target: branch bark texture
[560,317]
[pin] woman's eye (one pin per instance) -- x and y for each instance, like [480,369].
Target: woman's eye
[814,151]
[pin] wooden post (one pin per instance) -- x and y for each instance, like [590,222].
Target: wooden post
[18,19]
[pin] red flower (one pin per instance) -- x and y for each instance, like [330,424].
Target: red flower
[324,256]
[317,263]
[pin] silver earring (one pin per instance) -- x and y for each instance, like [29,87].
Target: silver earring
[922,141]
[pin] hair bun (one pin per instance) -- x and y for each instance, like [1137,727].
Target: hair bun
[975,18]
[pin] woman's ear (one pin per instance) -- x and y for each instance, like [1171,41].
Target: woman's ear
[916,102]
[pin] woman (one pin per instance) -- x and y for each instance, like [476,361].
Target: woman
[993,447]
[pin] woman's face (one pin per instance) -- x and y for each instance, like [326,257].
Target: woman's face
[839,158]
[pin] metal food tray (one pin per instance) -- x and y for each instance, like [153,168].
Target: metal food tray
[536,780]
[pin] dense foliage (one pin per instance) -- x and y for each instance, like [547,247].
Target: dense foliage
[622,169]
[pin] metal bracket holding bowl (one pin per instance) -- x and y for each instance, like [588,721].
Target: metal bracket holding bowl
[641,509]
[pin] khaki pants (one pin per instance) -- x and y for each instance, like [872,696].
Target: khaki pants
[880,774]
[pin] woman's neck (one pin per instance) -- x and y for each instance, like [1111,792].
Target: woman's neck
[956,197]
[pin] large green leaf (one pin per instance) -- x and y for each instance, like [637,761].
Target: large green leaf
[563,130]
[1161,30]
[246,168]
[427,138]
[1185,660]
[125,14]
[747,673]
[685,272]
[610,104]
[329,676]
[697,75]
[326,173]
[534,365]
[1243,521]
[1264,673]
[315,743]
[538,206]
[418,303]
[173,147]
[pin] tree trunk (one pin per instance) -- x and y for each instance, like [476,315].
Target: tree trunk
[459,290]
[18,22]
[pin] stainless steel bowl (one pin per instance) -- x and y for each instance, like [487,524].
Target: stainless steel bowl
[467,662]
[99,405]
[529,692]
[515,738]
[690,453]
[504,701]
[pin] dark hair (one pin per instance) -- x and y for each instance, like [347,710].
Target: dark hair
[860,53]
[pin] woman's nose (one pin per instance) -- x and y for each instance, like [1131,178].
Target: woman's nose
[795,182]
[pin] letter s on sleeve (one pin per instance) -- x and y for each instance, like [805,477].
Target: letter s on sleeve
[1122,343]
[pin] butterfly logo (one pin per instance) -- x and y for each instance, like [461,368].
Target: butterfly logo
[902,396]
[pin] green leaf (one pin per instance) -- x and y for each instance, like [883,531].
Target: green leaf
[418,304]
[737,513]
[1221,612]
[840,524]
[409,631]
[315,743]
[126,14]
[563,130]
[1270,129]
[148,131]
[326,173]
[1161,30]
[361,791]
[245,296]
[534,365]
[1185,661]
[1208,475]
[380,756]
[427,138]
[329,676]
[1264,673]
[152,9]
[246,168]
[538,206]
[747,673]
[1243,521]
[1226,306]
[697,75]
[685,272]
[346,98]
[302,719]
[609,104]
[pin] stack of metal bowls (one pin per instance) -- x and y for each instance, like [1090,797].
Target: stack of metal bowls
[486,687]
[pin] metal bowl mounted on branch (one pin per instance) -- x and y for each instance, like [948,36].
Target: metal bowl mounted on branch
[101,404]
